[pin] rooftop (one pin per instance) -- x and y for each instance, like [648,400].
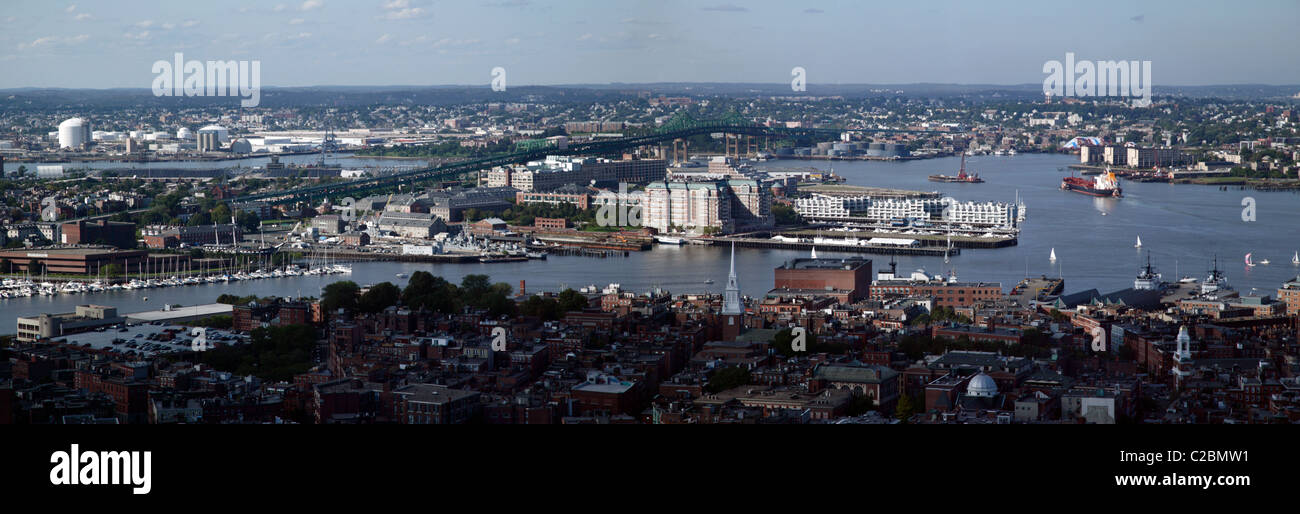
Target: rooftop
[827,264]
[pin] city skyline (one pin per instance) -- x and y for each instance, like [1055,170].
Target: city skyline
[415,43]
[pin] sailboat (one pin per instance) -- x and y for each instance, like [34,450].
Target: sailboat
[949,248]
[1053,257]
[1295,259]
[1249,264]
[1139,243]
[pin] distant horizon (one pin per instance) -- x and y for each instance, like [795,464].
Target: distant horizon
[485,85]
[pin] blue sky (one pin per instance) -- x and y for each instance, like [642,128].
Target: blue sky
[102,44]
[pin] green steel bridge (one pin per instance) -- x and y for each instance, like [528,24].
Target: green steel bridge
[678,127]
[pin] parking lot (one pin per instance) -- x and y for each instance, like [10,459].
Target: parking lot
[148,340]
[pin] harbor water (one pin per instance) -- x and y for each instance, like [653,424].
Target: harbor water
[1183,226]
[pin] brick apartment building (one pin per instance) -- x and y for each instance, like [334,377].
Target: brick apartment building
[848,279]
[118,234]
[270,312]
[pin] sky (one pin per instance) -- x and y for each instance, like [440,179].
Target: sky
[102,44]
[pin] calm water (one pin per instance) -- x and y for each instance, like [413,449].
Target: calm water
[1183,226]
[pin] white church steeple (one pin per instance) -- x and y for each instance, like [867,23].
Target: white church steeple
[731,298]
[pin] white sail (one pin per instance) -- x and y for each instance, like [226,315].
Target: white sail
[1248,263]
[1053,257]
[1295,259]
[1139,243]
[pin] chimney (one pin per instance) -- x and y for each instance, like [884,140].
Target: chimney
[522,291]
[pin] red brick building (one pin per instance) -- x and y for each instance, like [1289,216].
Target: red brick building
[851,277]
[118,234]
[945,294]
[551,223]
[607,395]
[273,312]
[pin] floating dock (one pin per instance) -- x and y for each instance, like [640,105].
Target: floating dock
[872,249]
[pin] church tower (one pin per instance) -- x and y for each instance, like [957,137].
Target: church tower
[1182,357]
[733,313]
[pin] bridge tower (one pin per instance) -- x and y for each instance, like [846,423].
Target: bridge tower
[732,148]
[684,155]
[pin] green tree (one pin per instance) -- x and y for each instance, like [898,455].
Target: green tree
[906,408]
[727,378]
[473,287]
[199,218]
[112,271]
[230,299]
[544,308]
[340,295]
[571,300]
[498,303]
[783,341]
[379,297]
[423,290]
[221,214]
[785,215]
[249,221]
[274,353]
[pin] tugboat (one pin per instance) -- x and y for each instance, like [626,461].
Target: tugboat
[973,178]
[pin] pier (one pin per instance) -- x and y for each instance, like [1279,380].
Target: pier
[871,249]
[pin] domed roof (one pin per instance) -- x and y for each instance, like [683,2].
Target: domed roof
[72,122]
[982,385]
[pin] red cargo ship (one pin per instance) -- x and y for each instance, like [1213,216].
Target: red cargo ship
[1104,184]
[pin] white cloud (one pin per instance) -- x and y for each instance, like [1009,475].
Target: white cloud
[311,4]
[53,41]
[138,36]
[384,38]
[189,23]
[418,39]
[296,21]
[43,41]
[144,24]
[279,7]
[70,8]
[403,10]
[82,16]
[584,37]
[405,14]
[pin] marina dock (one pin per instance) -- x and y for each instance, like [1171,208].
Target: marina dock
[745,242]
